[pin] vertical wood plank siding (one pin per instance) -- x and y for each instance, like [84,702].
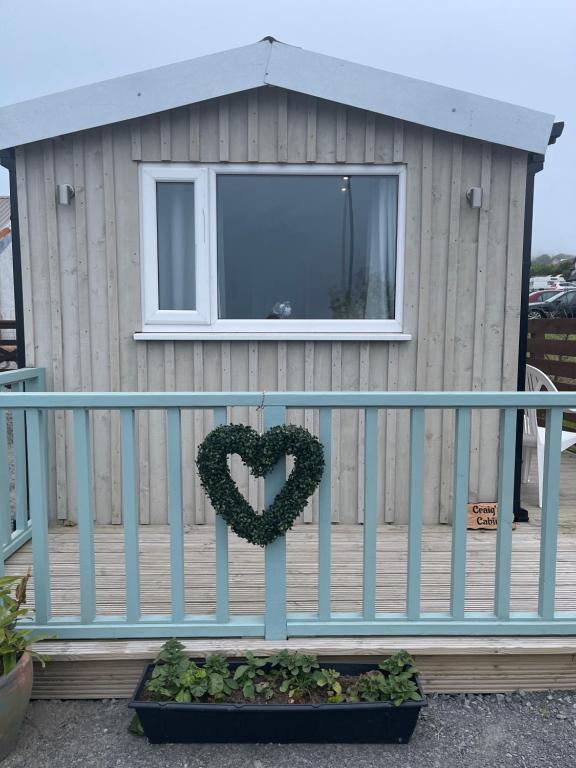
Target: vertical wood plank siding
[462,293]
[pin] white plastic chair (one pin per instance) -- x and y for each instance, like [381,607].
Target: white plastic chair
[535,436]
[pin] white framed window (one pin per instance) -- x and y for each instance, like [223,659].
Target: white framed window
[273,252]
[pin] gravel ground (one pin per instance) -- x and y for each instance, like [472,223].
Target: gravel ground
[521,730]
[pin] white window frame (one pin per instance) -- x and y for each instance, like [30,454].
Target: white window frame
[152,315]
[204,323]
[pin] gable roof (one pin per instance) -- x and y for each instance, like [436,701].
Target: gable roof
[269,62]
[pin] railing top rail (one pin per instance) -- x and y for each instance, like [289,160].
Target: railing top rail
[20,374]
[116,400]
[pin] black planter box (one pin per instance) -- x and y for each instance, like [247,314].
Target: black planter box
[359,723]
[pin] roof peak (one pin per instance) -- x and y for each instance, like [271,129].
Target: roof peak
[271,62]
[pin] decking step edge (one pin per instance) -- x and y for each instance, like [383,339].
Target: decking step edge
[108,650]
[110,669]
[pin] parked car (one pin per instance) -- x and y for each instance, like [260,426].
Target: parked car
[563,305]
[546,283]
[544,295]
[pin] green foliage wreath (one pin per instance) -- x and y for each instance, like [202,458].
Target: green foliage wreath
[260,453]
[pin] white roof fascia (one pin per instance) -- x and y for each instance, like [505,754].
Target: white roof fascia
[280,65]
[406,98]
[130,96]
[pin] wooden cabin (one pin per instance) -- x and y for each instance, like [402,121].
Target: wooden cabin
[165,215]
[260,235]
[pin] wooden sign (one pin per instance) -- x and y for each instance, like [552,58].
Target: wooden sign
[484,516]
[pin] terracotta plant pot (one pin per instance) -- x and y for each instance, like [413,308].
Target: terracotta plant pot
[15,690]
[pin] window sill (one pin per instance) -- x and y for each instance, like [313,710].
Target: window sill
[272,336]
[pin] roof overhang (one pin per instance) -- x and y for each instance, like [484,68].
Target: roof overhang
[269,62]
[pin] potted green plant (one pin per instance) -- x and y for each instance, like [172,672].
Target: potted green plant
[15,661]
[286,698]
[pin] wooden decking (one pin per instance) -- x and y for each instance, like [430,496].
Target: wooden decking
[247,561]
[247,580]
[567,517]
[247,591]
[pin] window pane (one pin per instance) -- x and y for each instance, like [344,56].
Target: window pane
[313,247]
[176,257]
[565,299]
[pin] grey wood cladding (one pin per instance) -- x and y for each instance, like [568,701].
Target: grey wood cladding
[461,303]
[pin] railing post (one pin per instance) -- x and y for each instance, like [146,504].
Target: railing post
[20,468]
[550,503]
[325,518]
[459,513]
[38,384]
[505,513]
[37,472]
[130,514]
[416,500]
[221,533]
[83,456]
[370,503]
[275,553]
[174,440]
[5,521]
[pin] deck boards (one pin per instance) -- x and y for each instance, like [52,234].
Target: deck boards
[247,566]
[567,511]
[246,570]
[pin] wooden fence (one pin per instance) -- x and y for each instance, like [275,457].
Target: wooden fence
[8,347]
[552,349]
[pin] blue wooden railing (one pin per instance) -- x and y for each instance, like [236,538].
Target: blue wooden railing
[276,623]
[15,524]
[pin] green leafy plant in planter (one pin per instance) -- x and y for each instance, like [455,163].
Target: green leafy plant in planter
[394,680]
[16,657]
[177,678]
[14,642]
[300,676]
[251,678]
[171,699]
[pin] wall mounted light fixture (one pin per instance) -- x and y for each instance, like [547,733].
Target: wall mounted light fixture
[474,197]
[64,194]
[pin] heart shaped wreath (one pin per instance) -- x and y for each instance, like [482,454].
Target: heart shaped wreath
[260,453]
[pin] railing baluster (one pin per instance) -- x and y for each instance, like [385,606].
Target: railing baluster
[221,533]
[275,553]
[174,438]
[5,521]
[505,513]
[550,503]
[83,456]
[370,511]
[459,514]
[416,498]
[37,469]
[130,514]
[325,519]
[20,468]
[5,518]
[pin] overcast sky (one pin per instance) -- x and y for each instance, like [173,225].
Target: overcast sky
[522,51]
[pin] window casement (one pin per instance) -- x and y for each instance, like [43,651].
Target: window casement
[271,251]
